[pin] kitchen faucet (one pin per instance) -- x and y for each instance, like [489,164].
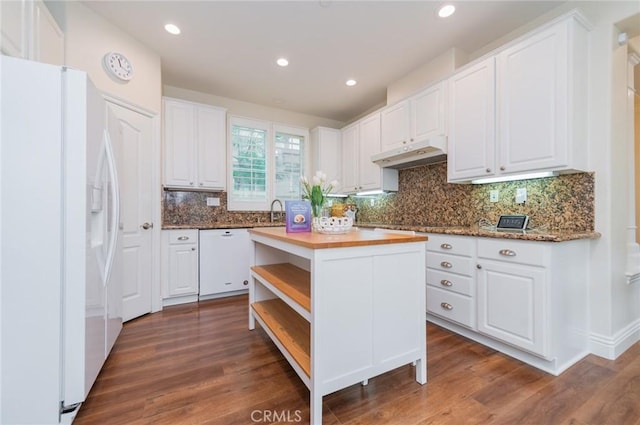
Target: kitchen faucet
[281,209]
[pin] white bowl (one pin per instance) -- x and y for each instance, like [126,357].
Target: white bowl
[333,225]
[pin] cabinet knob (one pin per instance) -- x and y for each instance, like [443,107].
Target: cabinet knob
[502,168]
[245,283]
[146,226]
[201,184]
[488,170]
[190,183]
[507,253]
[446,264]
[446,246]
[478,266]
[446,306]
[193,249]
[404,142]
[445,282]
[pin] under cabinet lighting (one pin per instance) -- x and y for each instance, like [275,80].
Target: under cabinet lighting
[351,83]
[514,177]
[370,192]
[282,62]
[172,29]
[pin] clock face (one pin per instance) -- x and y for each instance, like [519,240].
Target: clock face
[118,66]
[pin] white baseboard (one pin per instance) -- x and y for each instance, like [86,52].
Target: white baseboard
[610,347]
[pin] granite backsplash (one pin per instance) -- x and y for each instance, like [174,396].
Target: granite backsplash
[562,203]
[424,198]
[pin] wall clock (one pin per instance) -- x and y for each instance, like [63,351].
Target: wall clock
[118,66]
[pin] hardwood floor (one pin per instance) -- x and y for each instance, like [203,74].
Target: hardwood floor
[199,364]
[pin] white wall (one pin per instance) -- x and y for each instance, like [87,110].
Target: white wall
[615,311]
[252,110]
[88,37]
[433,71]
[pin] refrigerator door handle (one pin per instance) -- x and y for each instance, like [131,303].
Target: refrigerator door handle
[115,206]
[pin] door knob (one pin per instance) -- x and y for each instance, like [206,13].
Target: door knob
[147,226]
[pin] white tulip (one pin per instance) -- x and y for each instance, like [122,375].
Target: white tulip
[316,179]
[334,183]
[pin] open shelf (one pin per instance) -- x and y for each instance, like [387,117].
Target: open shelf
[291,330]
[292,281]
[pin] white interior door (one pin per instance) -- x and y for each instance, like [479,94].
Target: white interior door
[136,209]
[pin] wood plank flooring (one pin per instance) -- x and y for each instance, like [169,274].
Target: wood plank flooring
[199,364]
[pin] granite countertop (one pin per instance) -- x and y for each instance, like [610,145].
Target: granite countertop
[530,235]
[238,225]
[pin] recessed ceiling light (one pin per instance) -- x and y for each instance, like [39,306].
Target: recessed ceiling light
[282,62]
[172,29]
[446,10]
[351,83]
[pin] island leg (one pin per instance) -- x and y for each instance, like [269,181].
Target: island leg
[421,370]
[315,408]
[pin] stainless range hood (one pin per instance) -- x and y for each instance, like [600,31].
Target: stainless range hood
[413,154]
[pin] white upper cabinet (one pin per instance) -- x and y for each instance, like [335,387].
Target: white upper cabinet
[360,141]
[418,118]
[536,93]
[542,101]
[428,111]
[395,121]
[29,31]
[471,141]
[194,145]
[327,154]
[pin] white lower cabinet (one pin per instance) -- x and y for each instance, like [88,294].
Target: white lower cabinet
[511,305]
[179,266]
[450,269]
[526,299]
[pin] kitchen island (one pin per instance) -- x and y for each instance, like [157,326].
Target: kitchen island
[341,308]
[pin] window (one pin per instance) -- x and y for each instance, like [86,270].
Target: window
[266,162]
[289,165]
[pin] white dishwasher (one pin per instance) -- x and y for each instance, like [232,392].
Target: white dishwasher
[224,262]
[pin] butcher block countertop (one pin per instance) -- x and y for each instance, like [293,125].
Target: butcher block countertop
[353,238]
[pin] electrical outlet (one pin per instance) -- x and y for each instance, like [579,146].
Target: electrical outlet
[373,202]
[494,195]
[521,195]
[213,202]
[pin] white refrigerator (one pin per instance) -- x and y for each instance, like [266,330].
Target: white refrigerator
[60,254]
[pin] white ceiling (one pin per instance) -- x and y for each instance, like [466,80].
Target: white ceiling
[229,48]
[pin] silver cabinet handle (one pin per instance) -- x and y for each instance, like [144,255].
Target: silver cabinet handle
[446,246]
[446,306]
[446,264]
[445,282]
[147,226]
[183,238]
[507,253]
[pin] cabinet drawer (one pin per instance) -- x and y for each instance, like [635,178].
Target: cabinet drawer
[183,236]
[458,245]
[532,253]
[450,263]
[450,282]
[454,307]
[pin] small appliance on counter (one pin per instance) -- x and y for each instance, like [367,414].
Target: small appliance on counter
[512,223]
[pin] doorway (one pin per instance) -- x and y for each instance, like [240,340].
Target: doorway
[136,194]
